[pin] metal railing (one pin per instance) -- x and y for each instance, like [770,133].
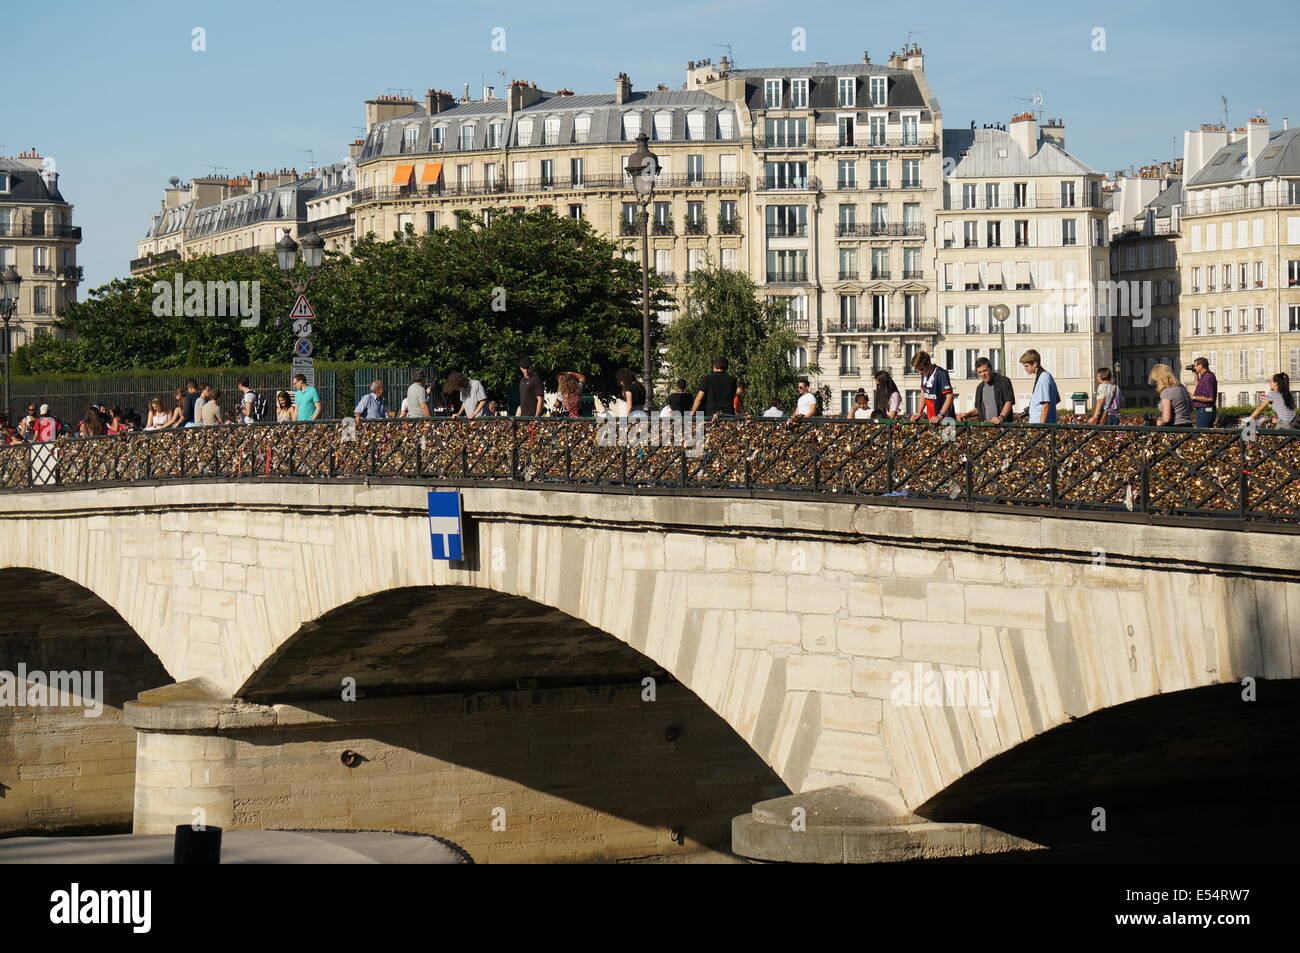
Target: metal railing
[768,183]
[1009,203]
[153,261]
[836,141]
[604,183]
[28,230]
[880,230]
[1153,473]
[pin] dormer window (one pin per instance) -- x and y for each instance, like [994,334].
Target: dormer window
[879,90]
[772,93]
[663,126]
[551,130]
[525,132]
[798,94]
[439,136]
[848,91]
[581,128]
[412,135]
[4,181]
[467,136]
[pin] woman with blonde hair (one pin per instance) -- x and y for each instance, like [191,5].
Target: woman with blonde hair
[569,401]
[1175,401]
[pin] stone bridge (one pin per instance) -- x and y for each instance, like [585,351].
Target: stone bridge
[620,674]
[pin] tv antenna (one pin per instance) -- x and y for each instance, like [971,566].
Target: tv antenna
[912,33]
[1035,103]
[217,169]
[1225,112]
[311,158]
[727,46]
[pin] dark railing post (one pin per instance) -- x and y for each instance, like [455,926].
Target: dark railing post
[1146,487]
[514,449]
[889,457]
[290,460]
[817,474]
[1051,455]
[684,468]
[464,462]
[148,459]
[970,479]
[180,455]
[373,462]
[749,475]
[333,457]
[622,464]
[419,455]
[568,462]
[1243,498]
[85,470]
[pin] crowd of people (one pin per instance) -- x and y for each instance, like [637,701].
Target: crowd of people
[461,396]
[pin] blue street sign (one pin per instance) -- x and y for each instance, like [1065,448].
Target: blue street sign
[444,524]
[302,347]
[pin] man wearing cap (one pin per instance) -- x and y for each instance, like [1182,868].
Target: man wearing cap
[46,427]
[532,392]
[1206,397]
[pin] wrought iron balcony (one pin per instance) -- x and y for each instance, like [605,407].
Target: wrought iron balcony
[662,228]
[629,228]
[880,230]
[787,231]
[787,278]
[834,140]
[729,226]
[782,183]
[848,276]
[880,274]
[912,275]
[697,228]
[28,230]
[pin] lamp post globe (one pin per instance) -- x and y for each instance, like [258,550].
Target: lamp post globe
[1000,313]
[643,167]
[286,251]
[11,281]
[313,249]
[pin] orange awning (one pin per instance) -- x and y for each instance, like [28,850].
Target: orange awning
[432,172]
[402,174]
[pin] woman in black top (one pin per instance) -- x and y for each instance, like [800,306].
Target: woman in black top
[631,390]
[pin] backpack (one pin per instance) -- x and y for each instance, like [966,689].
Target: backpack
[259,405]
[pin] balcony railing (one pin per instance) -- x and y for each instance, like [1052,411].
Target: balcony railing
[885,326]
[153,261]
[980,203]
[879,274]
[667,277]
[604,183]
[911,274]
[28,230]
[332,223]
[662,228]
[697,228]
[787,278]
[729,227]
[836,141]
[848,275]
[787,231]
[880,230]
[1207,205]
[778,183]
[629,228]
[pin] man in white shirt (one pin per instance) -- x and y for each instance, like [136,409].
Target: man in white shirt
[774,410]
[473,398]
[247,403]
[806,406]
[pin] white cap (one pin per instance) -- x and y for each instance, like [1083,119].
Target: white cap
[45,409]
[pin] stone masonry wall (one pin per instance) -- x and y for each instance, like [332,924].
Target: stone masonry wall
[555,775]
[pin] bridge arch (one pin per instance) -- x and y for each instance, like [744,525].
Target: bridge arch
[68,662]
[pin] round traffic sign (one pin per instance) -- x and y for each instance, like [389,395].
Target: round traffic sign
[303,347]
[302,327]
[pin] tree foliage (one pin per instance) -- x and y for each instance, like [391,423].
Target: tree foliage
[476,298]
[725,317]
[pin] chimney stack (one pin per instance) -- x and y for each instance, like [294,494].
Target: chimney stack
[1024,133]
[1256,139]
[622,89]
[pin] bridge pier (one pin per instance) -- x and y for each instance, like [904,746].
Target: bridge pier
[844,825]
[554,774]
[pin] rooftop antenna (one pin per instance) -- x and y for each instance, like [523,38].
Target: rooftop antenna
[216,169]
[912,33]
[1225,112]
[1035,103]
[311,158]
[727,47]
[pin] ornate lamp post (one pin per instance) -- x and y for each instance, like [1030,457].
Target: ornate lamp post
[1000,314]
[8,308]
[643,167]
[286,253]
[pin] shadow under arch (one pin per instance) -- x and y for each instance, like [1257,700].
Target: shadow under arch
[1185,776]
[59,769]
[512,704]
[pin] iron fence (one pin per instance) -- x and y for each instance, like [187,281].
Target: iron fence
[1160,472]
[70,399]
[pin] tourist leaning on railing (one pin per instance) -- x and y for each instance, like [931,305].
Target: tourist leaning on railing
[1279,398]
[1045,396]
[1175,401]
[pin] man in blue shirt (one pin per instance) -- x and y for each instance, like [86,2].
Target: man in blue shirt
[1043,401]
[371,407]
[936,389]
[306,400]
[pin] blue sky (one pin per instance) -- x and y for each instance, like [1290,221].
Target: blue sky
[114,92]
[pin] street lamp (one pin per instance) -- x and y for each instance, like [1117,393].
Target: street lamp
[1000,314]
[286,253]
[643,168]
[11,282]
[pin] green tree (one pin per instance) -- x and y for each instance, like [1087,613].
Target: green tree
[476,298]
[725,317]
